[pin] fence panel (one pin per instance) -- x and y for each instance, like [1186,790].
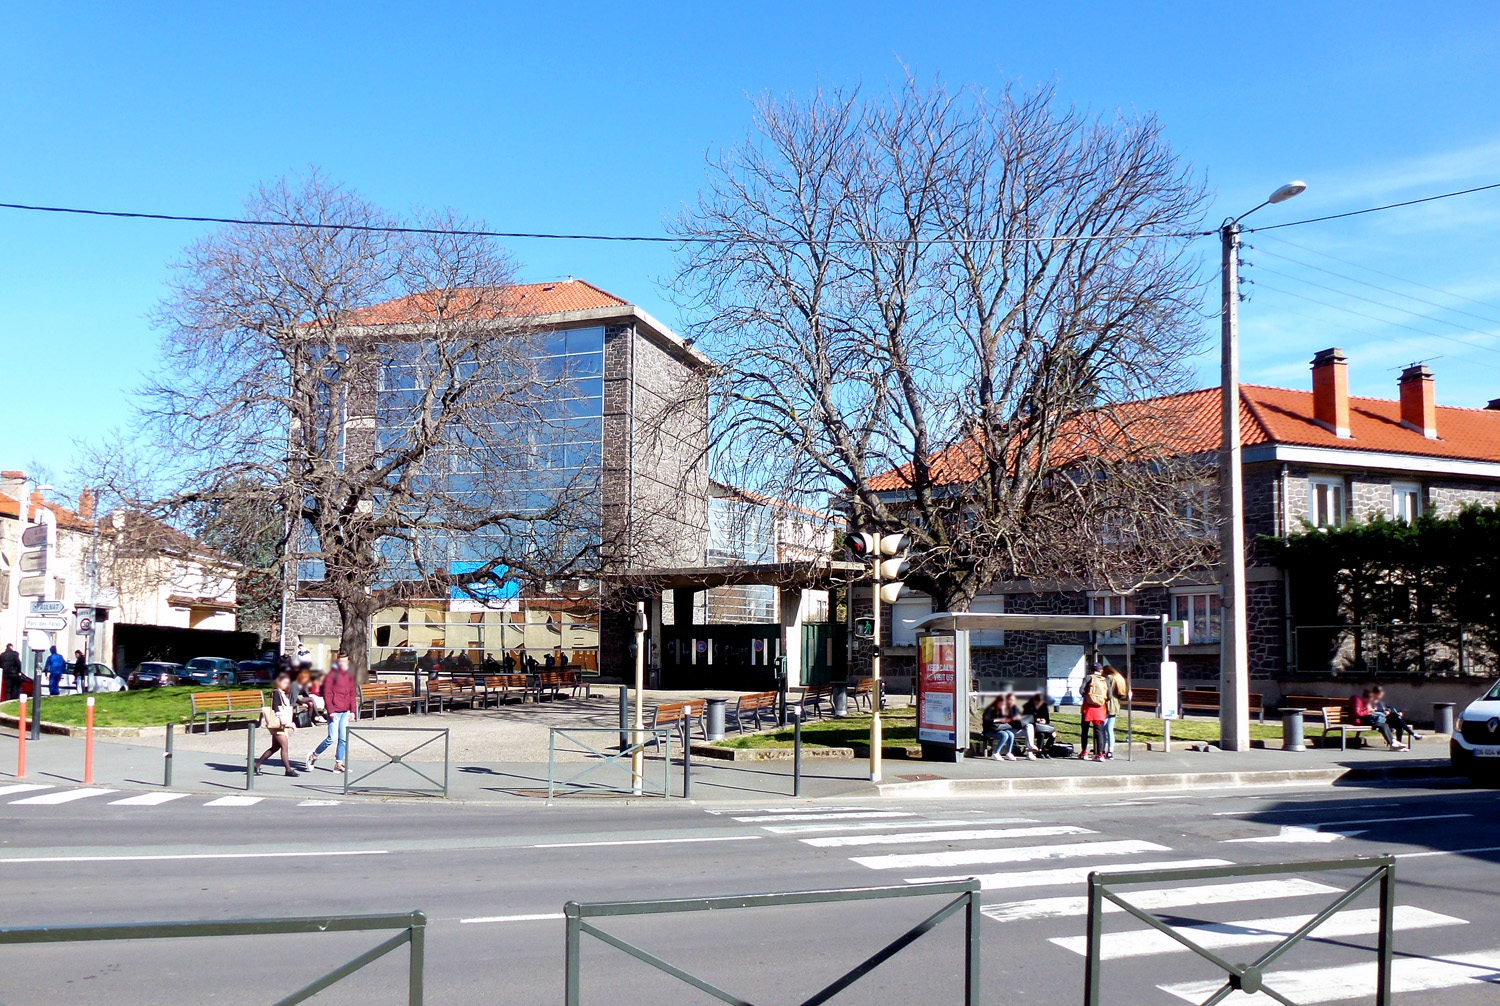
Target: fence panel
[604,759]
[382,740]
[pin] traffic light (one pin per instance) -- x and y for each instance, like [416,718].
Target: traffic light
[860,543]
[887,559]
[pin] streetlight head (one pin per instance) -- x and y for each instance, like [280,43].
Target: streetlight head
[1287,191]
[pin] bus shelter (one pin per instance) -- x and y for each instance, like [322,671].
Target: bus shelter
[945,681]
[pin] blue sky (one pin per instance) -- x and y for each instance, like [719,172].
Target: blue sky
[579,117]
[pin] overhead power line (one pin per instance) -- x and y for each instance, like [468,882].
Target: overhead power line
[1383,321]
[1377,303]
[1374,209]
[1388,275]
[1383,289]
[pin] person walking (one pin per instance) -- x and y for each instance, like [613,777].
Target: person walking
[56,667]
[341,703]
[10,673]
[80,672]
[1095,692]
[1119,692]
[997,728]
[278,719]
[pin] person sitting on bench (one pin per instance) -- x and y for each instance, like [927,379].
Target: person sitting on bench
[1393,716]
[1365,713]
[997,729]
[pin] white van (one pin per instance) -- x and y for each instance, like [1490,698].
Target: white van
[1475,747]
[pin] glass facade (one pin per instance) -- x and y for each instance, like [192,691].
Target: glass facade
[740,531]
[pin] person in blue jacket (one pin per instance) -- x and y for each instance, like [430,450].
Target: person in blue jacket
[57,664]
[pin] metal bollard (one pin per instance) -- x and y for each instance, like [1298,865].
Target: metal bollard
[250,758]
[687,762]
[1291,730]
[21,740]
[624,719]
[88,743]
[166,758]
[1442,718]
[796,713]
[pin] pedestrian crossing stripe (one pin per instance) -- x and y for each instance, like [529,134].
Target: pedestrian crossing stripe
[62,796]
[842,815]
[810,829]
[1067,875]
[1245,933]
[147,800]
[973,835]
[1357,981]
[234,801]
[1155,900]
[25,787]
[1019,854]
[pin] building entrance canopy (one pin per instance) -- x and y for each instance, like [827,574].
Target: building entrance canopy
[975,621]
[789,575]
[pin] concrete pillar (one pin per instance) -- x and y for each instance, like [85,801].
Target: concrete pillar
[792,604]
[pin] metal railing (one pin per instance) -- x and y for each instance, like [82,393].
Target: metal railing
[965,895]
[412,926]
[1248,978]
[393,759]
[1428,649]
[650,737]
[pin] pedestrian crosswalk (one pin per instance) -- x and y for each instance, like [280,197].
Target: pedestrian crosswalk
[47,795]
[1025,854]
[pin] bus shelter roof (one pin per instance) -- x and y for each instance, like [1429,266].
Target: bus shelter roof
[948,621]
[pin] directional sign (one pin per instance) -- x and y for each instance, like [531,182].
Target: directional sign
[34,562]
[32,586]
[48,607]
[46,623]
[34,536]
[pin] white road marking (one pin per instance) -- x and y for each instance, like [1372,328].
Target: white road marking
[809,829]
[147,800]
[843,815]
[235,801]
[1159,898]
[188,855]
[1357,981]
[319,803]
[1020,854]
[650,841]
[1447,852]
[543,917]
[973,835]
[24,787]
[1299,810]
[1294,834]
[1249,932]
[1067,875]
[1391,820]
[65,796]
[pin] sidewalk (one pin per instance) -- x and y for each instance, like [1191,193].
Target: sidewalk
[137,766]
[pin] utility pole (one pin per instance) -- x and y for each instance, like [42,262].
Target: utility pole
[875,734]
[638,756]
[1234,665]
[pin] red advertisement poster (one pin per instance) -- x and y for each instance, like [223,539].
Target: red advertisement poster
[937,683]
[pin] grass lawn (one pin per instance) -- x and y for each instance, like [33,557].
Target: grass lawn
[146,707]
[899,728]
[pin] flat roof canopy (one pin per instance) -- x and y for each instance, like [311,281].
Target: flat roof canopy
[979,621]
[780,574]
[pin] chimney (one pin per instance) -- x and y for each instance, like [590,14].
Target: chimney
[1330,376]
[86,503]
[1494,404]
[1418,403]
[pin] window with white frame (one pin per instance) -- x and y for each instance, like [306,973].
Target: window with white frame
[905,613]
[1203,613]
[1406,501]
[1111,604]
[1325,501]
[989,604]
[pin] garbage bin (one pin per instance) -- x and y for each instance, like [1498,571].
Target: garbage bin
[1442,718]
[1291,730]
[714,726]
[840,699]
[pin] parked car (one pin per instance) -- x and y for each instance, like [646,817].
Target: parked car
[155,674]
[211,671]
[100,678]
[256,672]
[1475,747]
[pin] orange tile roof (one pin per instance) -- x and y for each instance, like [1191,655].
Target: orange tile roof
[1189,423]
[522,300]
[11,507]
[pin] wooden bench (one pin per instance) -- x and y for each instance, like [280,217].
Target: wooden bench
[863,693]
[815,697]
[667,714]
[1203,701]
[553,682]
[380,695]
[1144,700]
[451,690]
[225,704]
[502,685]
[1335,718]
[753,707]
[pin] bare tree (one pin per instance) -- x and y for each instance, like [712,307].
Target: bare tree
[381,389]
[941,311]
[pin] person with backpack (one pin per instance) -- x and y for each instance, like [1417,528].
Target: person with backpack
[1119,692]
[1095,693]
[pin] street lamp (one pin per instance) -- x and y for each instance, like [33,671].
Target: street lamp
[638,756]
[1234,665]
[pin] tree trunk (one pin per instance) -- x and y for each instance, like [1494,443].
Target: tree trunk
[355,615]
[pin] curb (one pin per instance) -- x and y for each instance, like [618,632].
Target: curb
[1163,781]
[69,730]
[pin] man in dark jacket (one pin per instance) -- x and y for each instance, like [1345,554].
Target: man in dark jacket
[341,702]
[10,673]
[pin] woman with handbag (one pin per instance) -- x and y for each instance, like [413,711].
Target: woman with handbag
[278,718]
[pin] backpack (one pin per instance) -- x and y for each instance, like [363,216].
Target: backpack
[1096,691]
[1060,749]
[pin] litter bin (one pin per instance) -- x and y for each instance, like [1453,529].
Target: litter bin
[714,726]
[1442,718]
[1291,730]
[840,699]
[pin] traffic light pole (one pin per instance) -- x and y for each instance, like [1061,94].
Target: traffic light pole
[875,693]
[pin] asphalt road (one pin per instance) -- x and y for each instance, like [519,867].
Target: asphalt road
[493,881]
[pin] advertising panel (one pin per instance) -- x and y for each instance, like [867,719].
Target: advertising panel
[937,683]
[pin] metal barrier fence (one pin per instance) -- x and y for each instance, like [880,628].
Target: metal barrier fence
[651,737]
[412,926]
[394,759]
[965,892]
[1432,649]
[1247,978]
